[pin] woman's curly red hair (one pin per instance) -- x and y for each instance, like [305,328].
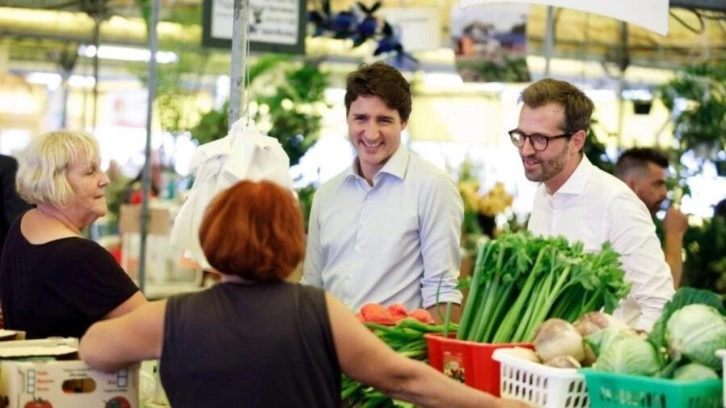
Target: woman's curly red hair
[254,230]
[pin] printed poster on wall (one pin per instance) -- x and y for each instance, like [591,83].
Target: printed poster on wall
[490,42]
[274,25]
[650,14]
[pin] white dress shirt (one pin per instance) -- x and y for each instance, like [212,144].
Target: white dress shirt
[594,207]
[244,154]
[394,242]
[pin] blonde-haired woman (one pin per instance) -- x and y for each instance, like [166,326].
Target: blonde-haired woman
[54,282]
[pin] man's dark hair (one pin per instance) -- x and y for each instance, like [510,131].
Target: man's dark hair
[381,80]
[637,159]
[578,107]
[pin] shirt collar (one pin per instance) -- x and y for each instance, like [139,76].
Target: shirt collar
[395,166]
[577,181]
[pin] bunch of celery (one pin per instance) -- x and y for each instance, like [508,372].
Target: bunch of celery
[520,280]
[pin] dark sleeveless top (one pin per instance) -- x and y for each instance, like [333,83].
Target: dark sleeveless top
[250,345]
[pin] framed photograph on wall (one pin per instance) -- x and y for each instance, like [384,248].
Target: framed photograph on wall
[490,42]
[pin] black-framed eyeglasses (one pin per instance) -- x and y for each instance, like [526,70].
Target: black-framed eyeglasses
[538,141]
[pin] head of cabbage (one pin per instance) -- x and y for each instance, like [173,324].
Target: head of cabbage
[694,372]
[625,354]
[696,331]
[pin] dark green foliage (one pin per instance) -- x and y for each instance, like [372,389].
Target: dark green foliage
[594,149]
[702,123]
[705,264]
[297,129]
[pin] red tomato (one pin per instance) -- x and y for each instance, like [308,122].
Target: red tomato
[398,311]
[376,313]
[422,316]
[38,403]
[118,402]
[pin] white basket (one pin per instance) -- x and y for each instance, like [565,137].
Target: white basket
[722,354]
[540,385]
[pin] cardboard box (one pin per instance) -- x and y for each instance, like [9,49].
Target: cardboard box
[48,374]
[9,335]
[158,220]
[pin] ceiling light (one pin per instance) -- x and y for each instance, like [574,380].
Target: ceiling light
[126,53]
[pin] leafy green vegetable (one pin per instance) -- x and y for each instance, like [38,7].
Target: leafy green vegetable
[694,372]
[626,354]
[520,280]
[601,339]
[696,331]
[683,297]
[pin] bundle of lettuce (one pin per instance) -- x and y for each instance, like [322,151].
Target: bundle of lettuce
[520,280]
[682,344]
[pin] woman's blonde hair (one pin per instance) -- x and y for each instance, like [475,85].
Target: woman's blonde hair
[43,166]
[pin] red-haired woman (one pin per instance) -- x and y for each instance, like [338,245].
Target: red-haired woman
[255,340]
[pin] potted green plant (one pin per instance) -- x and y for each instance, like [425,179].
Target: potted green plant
[292,106]
[697,101]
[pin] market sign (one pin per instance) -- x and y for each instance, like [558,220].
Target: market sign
[274,25]
[651,14]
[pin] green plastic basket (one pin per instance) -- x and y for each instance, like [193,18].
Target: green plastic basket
[610,390]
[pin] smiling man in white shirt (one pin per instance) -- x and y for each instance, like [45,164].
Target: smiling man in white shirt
[583,203]
[387,229]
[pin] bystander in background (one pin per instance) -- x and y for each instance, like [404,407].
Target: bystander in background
[11,204]
[644,169]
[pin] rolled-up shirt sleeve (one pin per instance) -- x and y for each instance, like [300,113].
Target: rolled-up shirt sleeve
[632,235]
[442,214]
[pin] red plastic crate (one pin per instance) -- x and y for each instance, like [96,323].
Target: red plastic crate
[467,361]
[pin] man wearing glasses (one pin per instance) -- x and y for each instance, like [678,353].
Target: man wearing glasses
[583,203]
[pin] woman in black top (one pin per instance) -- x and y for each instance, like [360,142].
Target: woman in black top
[255,340]
[54,282]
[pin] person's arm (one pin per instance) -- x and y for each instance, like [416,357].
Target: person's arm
[110,345]
[363,357]
[438,312]
[441,218]
[136,300]
[313,266]
[632,234]
[675,225]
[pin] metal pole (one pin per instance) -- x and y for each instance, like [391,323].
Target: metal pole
[146,178]
[623,65]
[239,41]
[549,39]
[97,44]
